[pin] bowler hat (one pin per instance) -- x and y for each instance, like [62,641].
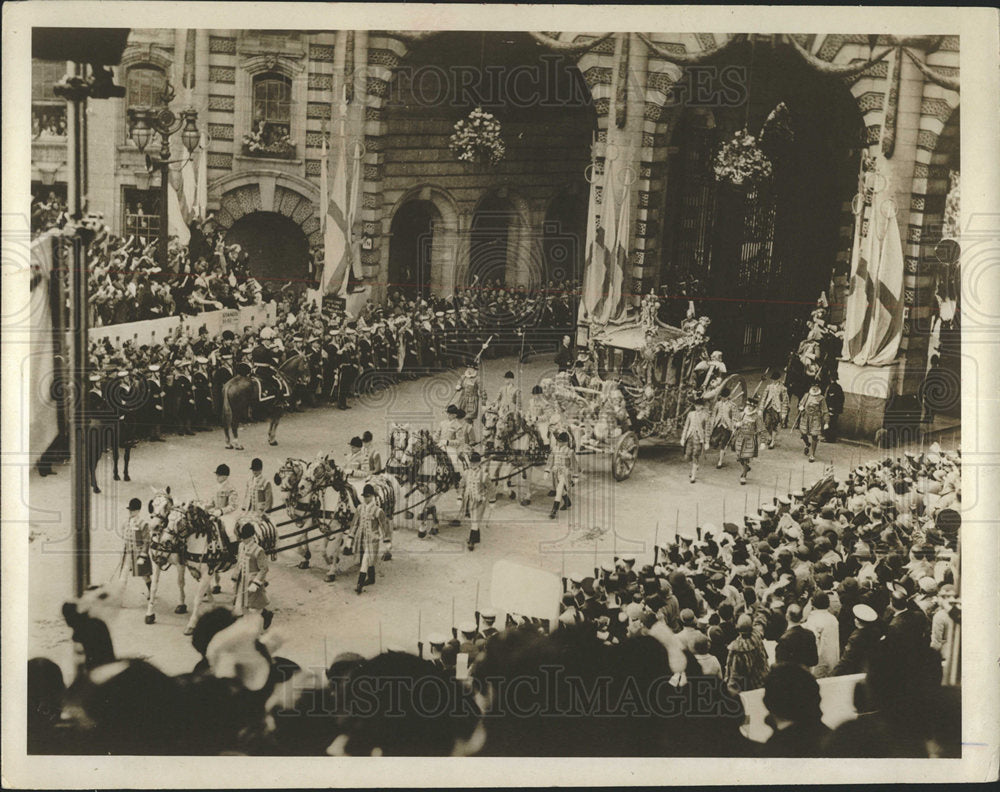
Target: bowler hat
[368,490]
[222,470]
[135,504]
[256,464]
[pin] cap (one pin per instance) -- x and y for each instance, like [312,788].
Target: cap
[509,375]
[94,377]
[769,508]
[356,442]
[154,367]
[368,490]
[865,613]
[222,470]
[784,500]
[135,504]
[436,639]
[928,585]
[468,627]
[452,409]
[488,614]
[475,457]
[256,464]
[687,616]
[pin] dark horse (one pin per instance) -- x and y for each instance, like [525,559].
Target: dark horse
[111,424]
[241,394]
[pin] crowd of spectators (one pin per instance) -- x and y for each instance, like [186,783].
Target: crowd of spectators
[851,577]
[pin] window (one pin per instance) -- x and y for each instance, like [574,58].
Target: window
[48,111]
[272,107]
[141,214]
[144,86]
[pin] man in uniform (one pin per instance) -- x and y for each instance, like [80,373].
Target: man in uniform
[477,486]
[266,359]
[369,534]
[452,436]
[258,497]
[774,407]
[488,619]
[155,410]
[356,465]
[694,436]
[348,367]
[372,458]
[562,466]
[508,399]
[135,553]
[225,501]
[251,577]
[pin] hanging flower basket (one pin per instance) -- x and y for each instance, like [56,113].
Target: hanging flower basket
[741,163]
[477,140]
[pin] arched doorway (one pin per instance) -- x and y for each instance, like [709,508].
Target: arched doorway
[490,244]
[760,258]
[277,247]
[411,244]
[564,238]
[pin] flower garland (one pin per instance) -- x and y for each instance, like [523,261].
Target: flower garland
[256,143]
[477,139]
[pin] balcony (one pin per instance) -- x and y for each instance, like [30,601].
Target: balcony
[274,151]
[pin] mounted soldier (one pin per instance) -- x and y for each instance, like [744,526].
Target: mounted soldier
[266,357]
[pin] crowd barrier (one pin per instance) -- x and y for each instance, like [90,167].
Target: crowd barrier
[152,331]
[836,703]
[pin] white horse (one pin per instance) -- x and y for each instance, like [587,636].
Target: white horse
[165,549]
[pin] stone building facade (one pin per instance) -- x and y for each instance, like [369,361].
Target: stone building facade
[639,97]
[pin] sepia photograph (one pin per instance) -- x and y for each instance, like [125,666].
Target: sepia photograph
[479,390]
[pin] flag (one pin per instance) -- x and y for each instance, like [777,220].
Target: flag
[337,233]
[860,293]
[615,306]
[886,328]
[589,296]
[201,190]
[603,251]
[178,211]
[43,376]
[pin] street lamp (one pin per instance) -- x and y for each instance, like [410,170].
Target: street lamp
[143,122]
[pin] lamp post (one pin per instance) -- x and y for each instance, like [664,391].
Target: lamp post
[143,123]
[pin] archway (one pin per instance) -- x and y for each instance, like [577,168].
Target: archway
[411,244]
[277,247]
[564,237]
[490,248]
[760,258]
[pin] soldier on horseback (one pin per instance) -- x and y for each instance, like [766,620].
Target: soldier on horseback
[266,357]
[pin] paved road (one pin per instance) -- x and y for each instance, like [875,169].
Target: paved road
[425,577]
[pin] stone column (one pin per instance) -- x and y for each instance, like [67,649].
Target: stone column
[869,389]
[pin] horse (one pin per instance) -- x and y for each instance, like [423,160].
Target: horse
[431,473]
[335,498]
[206,548]
[300,503]
[514,444]
[242,393]
[165,548]
[111,426]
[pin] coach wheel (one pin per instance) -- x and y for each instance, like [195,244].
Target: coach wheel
[737,390]
[626,451]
